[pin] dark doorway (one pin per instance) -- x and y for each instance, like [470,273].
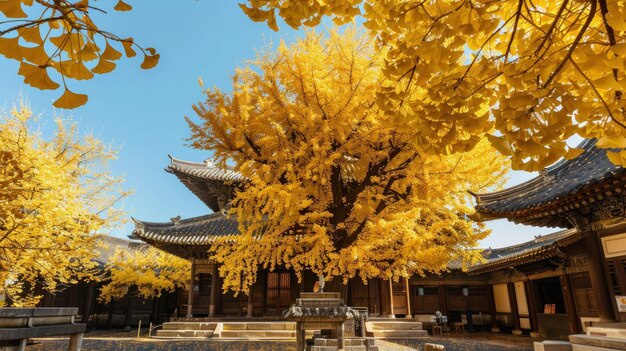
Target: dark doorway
[550,294]
[278,295]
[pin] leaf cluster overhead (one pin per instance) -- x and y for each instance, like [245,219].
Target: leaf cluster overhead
[58,35]
[57,197]
[332,187]
[529,74]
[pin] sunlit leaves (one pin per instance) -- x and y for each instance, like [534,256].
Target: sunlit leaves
[63,36]
[147,271]
[547,70]
[333,187]
[57,198]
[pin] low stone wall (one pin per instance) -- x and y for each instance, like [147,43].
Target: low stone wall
[17,325]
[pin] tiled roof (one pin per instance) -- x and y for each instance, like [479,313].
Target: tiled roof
[531,251]
[566,178]
[206,170]
[186,238]
[211,184]
[192,231]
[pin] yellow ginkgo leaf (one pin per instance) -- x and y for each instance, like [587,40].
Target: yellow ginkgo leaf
[78,71]
[110,53]
[617,158]
[573,153]
[35,54]
[103,66]
[122,6]
[10,48]
[37,76]
[128,47]
[617,141]
[31,35]
[12,9]
[89,51]
[70,100]
[150,61]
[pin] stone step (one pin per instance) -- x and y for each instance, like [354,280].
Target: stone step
[398,334]
[552,345]
[189,326]
[257,334]
[346,348]
[393,325]
[184,333]
[607,331]
[589,348]
[603,342]
[346,342]
[258,326]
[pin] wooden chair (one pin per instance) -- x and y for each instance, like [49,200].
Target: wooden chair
[437,329]
[459,327]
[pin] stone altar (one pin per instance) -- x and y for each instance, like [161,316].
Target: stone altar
[320,311]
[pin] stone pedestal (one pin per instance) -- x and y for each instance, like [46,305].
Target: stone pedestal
[319,311]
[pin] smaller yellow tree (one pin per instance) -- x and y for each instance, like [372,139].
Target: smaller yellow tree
[56,199]
[145,270]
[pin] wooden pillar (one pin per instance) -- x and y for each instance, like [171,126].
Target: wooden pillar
[517,330]
[129,311]
[408,298]
[570,304]
[382,298]
[111,311]
[392,313]
[492,309]
[191,284]
[214,290]
[443,299]
[598,277]
[154,313]
[249,307]
[532,308]
[88,303]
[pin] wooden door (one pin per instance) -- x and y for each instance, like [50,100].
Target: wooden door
[399,298]
[278,296]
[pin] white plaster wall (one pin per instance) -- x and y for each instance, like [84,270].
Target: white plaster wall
[501,297]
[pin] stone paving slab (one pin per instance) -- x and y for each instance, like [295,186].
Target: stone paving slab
[479,343]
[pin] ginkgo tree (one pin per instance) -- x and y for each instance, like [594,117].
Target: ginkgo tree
[59,35]
[145,271]
[331,186]
[528,74]
[57,198]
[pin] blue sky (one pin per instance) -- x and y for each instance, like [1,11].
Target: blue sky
[142,112]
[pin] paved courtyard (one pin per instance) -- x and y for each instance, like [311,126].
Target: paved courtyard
[479,342]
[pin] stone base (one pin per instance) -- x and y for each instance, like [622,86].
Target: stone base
[550,345]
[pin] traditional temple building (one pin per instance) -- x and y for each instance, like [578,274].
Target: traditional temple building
[551,286]
[588,278]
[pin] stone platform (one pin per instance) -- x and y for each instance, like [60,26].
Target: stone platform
[398,329]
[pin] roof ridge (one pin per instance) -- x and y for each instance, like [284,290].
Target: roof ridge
[210,216]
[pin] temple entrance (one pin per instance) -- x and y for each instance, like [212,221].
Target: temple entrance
[400,298]
[278,295]
[554,321]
